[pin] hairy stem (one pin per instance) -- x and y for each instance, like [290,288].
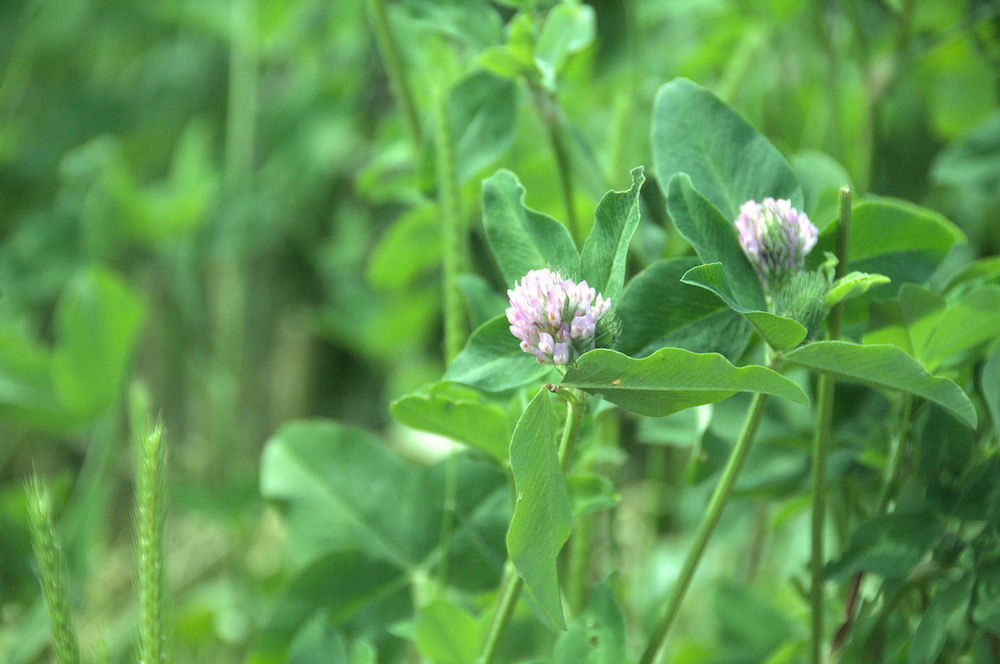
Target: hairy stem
[512,583]
[713,513]
[551,115]
[821,442]
[51,571]
[393,61]
[450,205]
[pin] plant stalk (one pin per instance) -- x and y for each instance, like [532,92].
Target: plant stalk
[711,519]
[551,115]
[151,516]
[512,583]
[821,443]
[450,204]
[51,571]
[393,61]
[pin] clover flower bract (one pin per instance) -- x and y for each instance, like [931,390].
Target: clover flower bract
[555,318]
[775,238]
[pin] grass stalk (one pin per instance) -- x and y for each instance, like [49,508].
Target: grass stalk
[51,571]
[150,521]
[713,513]
[821,444]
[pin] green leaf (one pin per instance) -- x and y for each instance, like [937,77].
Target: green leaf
[986,611]
[778,331]
[949,604]
[514,59]
[979,499]
[542,515]
[605,251]
[493,361]
[591,493]
[888,544]
[26,392]
[446,634]
[409,247]
[481,300]
[853,285]
[990,384]
[482,109]
[317,643]
[821,177]
[974,320]
[597,636]
[886,325]
[886,367]
[715,239]
[729,161]
[337,585]
[983,270]
[97,321]
[522,239]
[903,241]
[672,379]
[568,28]
[658,310]
[449,410]
[340,489]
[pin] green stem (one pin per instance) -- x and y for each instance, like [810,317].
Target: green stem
[512,583]
[241,111]
[549,112]
[821,443]
[393,62]
[449,202]
[711,519]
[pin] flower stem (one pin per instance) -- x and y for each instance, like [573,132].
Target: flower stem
[821,443]
[51,571]
[711,519]
[551,115]
[393,62]
[512,583]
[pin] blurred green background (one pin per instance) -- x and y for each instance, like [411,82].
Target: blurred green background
[224,200]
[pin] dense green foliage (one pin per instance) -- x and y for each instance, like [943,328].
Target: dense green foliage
[294,223]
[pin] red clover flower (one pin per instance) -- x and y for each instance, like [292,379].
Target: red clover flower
[555,318]
[775,238]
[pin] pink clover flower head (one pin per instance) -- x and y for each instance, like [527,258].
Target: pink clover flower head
[555,318]
[776,238]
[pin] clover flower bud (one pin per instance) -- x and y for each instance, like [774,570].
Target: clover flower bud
[775,238]
[555,318]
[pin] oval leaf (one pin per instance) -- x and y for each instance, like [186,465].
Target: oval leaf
[658,310]
[602,260]
[778,331]
[458,415]
[341,490]
[886,367]
[482,109]
[522,239]
[715,239]
[672,379]
[728,160]
[542,515]
[493,361]
[903,241]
